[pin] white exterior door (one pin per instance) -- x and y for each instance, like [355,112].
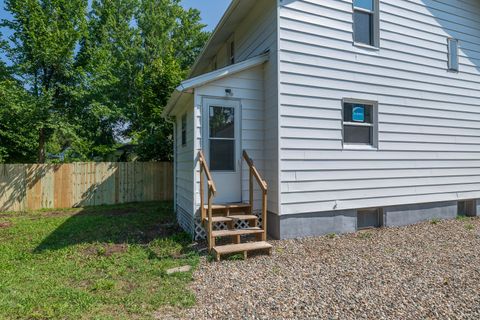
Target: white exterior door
[221,142]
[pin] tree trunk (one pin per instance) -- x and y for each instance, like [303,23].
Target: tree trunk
[41,146]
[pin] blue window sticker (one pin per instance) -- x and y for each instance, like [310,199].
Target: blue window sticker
[358,113]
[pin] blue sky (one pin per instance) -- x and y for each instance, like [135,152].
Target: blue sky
[211,11]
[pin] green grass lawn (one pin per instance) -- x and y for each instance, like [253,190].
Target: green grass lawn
[94,263]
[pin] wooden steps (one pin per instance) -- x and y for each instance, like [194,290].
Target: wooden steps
[241,247]
[233,218]
[219,219]
[213,214]
[227,206]
[243,217]
[236,232]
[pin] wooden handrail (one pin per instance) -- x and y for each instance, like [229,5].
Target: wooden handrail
[203,163]
[256,174]
[212,190]
[263,185]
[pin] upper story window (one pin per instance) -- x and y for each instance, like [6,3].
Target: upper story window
[359,123]
[184,130]
[214,63]
[453,63]
[231,50]
[366,28]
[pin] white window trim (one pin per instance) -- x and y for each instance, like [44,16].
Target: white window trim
[376,26]
[353,146]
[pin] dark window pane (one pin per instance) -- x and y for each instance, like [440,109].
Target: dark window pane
[353,113]
[358,134]
[222,155]
[363,25]
[232,52]
[184,130]
[222,122]
[364,4]
[184,138]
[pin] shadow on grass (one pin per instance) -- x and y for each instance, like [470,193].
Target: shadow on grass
[117,226]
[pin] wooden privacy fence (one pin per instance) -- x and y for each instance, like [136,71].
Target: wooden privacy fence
[42,186]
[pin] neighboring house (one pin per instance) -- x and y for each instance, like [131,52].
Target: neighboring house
[356,113]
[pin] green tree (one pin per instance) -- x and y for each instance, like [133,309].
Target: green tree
[42,50]
[82,85]
[171,39]
[17,141]
[135,54]
[106,68]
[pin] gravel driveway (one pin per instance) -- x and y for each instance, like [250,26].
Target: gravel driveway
[426,271]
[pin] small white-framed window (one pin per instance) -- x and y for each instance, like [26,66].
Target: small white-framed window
[359,123]
[453,63]
[184,130]
[366,22]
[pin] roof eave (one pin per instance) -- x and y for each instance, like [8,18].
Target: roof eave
[221,23]
[189,85]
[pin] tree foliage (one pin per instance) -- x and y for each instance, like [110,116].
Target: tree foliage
[87,82]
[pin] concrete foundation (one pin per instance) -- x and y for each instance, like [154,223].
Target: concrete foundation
[312,224]
[322,223]
[273,225]
[414,213]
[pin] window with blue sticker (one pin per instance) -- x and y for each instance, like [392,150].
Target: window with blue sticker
[358,124]
[358,113]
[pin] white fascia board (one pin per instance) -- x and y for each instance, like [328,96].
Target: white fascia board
[189,85]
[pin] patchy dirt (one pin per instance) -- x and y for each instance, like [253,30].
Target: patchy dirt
[5,225]
[106,250]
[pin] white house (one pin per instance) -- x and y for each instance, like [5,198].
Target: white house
[356,113]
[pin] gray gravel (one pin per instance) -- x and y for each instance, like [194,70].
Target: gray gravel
[426,271]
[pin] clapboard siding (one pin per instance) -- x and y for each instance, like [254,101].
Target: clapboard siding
[185,166]
[255,34]
[257,91]
[247,87]
[428,118]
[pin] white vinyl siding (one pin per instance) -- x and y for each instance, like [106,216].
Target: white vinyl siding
[256,34]
[428,132]
[247,87]
[256,89]
[184,166]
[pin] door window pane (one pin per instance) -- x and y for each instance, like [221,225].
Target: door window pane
[364,4]
[222,122]
[363,24]
[222,155]
[358,134]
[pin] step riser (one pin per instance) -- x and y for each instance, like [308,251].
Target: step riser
[231,233]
